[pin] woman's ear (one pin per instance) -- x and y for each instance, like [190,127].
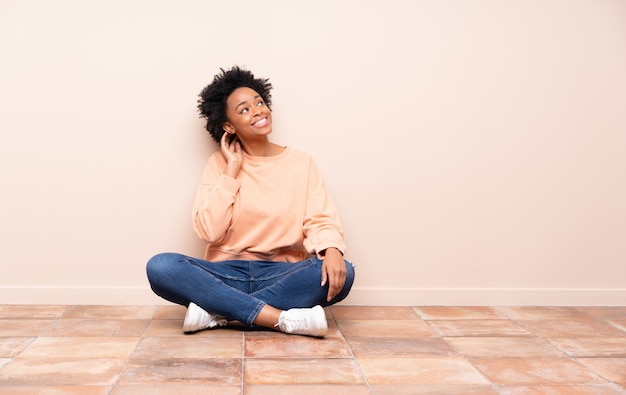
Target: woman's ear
[228,128]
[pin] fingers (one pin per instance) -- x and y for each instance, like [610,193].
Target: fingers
[334,289]
[336,281]
[224,141]
[230,145]
[333,274]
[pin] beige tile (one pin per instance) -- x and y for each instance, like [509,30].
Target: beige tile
[373,313]
[596,389]
[619,324]
[478,328]
[442,389]
[33,312]
[174,328]
[535,371]
[261,332]
[4,361]
[333,331]
[61,372]
[170,312]
[117,312]
[97,328]
[182,371]
[573,327]
[422,371]
[307,389]
[521,347]
[385,328]
[542,313]
[121,350]
[11,346]
[81,347]
[606,313]
[457,313]
[56,390]
[302,371]
[165,328]
[296,347]
[23,327]
[176,389]
[613,369]
[592,346]
[189,347]
[369,347]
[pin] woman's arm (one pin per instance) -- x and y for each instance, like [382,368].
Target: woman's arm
[324,234]
[213,206]
[322,228]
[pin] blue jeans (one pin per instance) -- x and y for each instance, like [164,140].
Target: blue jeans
[238,290]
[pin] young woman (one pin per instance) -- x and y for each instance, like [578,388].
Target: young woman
[275,245]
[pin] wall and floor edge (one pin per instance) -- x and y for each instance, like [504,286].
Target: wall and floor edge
[363,296]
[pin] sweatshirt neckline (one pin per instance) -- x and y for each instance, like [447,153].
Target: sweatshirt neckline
[265,159]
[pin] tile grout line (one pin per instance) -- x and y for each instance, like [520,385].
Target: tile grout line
[577,358]
[441,335]
[548,340]
[34,338]
[603,377]
[609,380]
[437,332]
[369,387]
[127,359]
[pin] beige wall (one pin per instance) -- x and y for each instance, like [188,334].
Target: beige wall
[476,149]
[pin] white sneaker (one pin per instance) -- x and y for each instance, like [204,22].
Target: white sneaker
[198,319]
[310,322]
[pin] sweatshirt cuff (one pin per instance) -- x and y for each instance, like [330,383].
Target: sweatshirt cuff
[341,248]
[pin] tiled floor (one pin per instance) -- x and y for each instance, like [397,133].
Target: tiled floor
[119,350]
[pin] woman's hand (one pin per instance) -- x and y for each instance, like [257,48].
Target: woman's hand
[333,272]
[233,154]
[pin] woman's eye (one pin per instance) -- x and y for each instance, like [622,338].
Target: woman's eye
[243,111]
[259,104]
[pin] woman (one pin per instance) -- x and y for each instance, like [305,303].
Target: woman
[275,245]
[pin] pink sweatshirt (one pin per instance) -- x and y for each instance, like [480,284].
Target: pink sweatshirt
[277,209]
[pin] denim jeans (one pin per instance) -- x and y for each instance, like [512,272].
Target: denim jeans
[239,289]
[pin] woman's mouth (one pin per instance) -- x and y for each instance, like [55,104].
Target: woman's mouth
[261,122]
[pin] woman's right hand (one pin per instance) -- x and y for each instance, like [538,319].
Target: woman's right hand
[232,152]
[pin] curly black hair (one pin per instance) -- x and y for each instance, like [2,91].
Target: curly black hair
[212,101]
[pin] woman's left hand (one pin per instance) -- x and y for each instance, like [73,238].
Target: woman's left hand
[333,272]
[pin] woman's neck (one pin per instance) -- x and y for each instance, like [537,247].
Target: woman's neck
[262,148]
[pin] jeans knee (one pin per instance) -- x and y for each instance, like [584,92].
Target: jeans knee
[160,264]
[349,273]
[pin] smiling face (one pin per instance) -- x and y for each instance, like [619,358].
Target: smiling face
[248,115]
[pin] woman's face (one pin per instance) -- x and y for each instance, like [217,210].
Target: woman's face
[248,115]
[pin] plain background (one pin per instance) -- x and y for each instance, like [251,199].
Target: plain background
[476,149]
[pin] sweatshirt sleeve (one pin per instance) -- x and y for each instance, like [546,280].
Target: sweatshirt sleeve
[213,205]
[322,228]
